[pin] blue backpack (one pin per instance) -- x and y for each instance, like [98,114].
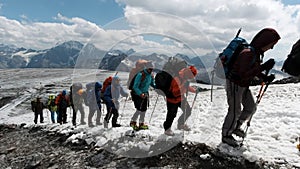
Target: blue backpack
[225,60]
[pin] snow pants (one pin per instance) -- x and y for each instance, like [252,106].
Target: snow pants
[237,97]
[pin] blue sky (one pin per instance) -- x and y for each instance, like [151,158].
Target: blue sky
[202,26]
[100,12]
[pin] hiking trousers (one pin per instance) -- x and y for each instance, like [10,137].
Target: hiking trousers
[140,104]
[77,108]
[112,112]
[36,114]
[237,97]
[172,112]
[62,115]
[91,114]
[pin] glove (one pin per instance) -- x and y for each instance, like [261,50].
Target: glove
[186,84]
[268,65]
[143,95]
[269,78]
[198,89]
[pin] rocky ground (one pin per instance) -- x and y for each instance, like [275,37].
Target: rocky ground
[34,147]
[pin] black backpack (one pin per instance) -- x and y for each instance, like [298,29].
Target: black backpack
[164,77]
[130,87]
[292,64]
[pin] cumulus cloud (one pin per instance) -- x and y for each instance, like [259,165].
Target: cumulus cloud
[177,26]
[218,20]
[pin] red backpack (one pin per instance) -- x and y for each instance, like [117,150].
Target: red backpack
[106,83]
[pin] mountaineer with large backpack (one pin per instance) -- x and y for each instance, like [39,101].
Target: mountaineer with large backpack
[245,66]
[292,63]
[140,95]
[52,107]
[77,95]
[111,99]
[93,101]
[176,98]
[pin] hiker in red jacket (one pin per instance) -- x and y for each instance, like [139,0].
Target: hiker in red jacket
[180,86]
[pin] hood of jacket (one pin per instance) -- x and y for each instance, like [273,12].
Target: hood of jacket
[263,38]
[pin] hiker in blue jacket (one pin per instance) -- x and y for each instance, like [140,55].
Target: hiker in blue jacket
[140,96]
[111,98]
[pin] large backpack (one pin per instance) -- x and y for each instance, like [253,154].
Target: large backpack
[63,104]
[130,87]
[226,59]
[139,66]
[106,83]
[74,88]
[90,97]
[292,64]
[164,77]
[90,87]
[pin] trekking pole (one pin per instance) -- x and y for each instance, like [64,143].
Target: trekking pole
[186,103]
[194,100]
[238,33]
[153,108]
[259,97]
[123,109]
[212,85]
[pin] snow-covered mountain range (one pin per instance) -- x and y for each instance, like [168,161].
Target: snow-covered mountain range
[74,54]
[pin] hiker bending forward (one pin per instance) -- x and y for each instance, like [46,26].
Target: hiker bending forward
[180,86]
[140,96]
[245,68]
[111,98]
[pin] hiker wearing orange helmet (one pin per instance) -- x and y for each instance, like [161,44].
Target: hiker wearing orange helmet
[180,86]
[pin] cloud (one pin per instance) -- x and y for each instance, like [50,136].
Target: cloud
[43,35]
[218,20]
[192,26]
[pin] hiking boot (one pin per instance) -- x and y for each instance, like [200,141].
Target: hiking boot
[143,126]
[133,125]
[105,124]
[91,125]
[98,123]
[239,132]
[83,123]
[230,141]
[184,127]
[116,125]
[169,132]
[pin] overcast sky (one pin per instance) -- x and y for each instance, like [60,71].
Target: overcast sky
[192,26]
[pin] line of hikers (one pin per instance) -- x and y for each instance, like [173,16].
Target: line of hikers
[241,104]
[141,78]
